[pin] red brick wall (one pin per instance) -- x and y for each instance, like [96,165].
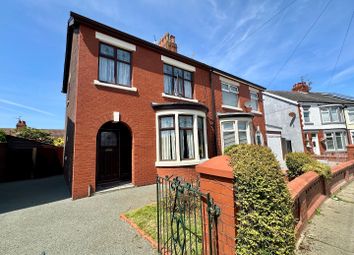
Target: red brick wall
[95,106]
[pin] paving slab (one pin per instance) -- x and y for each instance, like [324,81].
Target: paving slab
[331,231]
[85,226]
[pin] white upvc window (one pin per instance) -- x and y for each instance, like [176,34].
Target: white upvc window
[335,141]
[331,114]
[235,131]
[350,111]
[254,100]
[181,137]
[258,137]
[306,111]
[229,94]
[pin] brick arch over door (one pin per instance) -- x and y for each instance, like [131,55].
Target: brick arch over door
[114,154]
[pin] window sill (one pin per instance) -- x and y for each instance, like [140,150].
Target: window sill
[121,87]
[309,123]
[179,163]
[257,112]
[179,98]
[232,108]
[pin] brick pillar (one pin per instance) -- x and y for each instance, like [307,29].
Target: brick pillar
[216,178]
[350,151]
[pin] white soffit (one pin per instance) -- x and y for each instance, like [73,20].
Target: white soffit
[115,42]
[177,63]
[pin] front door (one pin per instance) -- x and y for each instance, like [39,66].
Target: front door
[315,145]
[113,154]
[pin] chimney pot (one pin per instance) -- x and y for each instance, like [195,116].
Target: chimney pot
[301,87]
[168,42]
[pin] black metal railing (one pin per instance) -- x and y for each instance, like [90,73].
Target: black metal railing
[186,218]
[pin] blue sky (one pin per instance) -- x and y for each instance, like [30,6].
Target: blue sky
[225,34]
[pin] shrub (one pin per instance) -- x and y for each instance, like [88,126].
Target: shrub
[59,142]
[318,167]
[265,222]
[2,136]
[35,134]
[295,162]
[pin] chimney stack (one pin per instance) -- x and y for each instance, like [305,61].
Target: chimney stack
[21,124]
[302,86]
[168,42]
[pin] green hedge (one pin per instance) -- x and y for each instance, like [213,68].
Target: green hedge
[300,162]
[2,136]
[265,222]
[295,161]
[318,167]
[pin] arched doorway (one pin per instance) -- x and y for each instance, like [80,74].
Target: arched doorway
[114,154]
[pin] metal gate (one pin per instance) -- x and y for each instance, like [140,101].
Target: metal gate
[186,218]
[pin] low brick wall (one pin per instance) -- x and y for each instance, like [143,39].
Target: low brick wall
[310,190]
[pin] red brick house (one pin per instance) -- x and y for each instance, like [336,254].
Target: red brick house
[135,109]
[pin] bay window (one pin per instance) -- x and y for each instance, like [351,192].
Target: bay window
[229,95]
[235,132]
[331,115]
[335,140]
[114,65]
[177,82]
[181,137]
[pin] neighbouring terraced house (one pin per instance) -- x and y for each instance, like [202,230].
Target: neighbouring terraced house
[135,109]
[301,120]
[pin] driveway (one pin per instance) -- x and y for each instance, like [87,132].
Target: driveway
[331,231]
[85,226]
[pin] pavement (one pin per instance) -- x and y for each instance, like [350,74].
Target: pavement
[54,224]
[331,231]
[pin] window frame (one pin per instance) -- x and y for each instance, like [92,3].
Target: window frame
[116,61]
[237,93]
[329,110]
[334,140]
[173,81]
[235,130]
[350,110]
[306,109]
[163,129]
[179,161]
[255,94]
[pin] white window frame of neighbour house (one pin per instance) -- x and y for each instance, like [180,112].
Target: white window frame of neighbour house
[235,130]
[329,111]
[178,161]
[350,111]
[258,137]
[306,111]
[333,136]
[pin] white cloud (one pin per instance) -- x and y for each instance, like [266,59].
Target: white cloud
[8,102]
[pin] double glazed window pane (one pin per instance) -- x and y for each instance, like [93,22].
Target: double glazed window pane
[351,115]
[201,142]
[167,138]
[242,132]
[325,116]
[123,74]
[339,140]
[123,55]
[228,133]
[335,114]
[186,142]
[177,82]
[188,89]
[229,98]
[106,70]
[329,141]
[254,101]
[168,86]
[107,50]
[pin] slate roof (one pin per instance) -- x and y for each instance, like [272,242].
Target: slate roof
[313,97]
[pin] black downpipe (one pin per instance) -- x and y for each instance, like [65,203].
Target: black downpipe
[213,112]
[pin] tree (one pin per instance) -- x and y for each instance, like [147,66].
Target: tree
[35,134]
[2,136]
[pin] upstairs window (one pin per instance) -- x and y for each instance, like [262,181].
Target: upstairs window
[177,82]
[331,115]
[114,65]
[351,114]
[307,114]
[229,95]
[254,100]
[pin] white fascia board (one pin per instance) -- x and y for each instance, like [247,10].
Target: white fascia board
[115,42]
[280,98]
[177,63]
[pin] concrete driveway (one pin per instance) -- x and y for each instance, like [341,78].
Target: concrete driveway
[85,226]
